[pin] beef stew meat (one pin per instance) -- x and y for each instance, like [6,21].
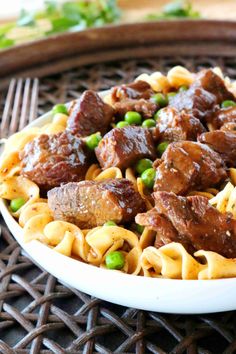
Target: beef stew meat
[122,147]
[188,165]
[89,115]
[212,83]
[229,127]
[195,101]
[207,90]
[175,126]
[50,160]
[135,90]
[194,221]
[223,142]
[133,97]
[146,108]
[91,203]
[222,116]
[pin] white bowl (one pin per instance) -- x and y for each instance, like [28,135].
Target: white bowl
[164,295]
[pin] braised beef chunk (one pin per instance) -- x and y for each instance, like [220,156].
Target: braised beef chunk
[92,203]
[50,160]
[146,108]
[174,126]
[122,147]
[89,115]
[229,127]
[166,233]
[135,90]
[194,221]
[196,101]
[188,165]
[223,142]
[222,116]
[133,97]
[207,90]
[212,83]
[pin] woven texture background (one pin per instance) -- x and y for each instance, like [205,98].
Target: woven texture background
[38,314]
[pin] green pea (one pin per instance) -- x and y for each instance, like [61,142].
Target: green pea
[149,123]
[16,204]
[160,99]
[162,147]
[132,117]
[143,165]
[148,177]
[158,114]
[171,95]
[183,88]
[115,260]
[92,140]
[110,223]
[60,108]
[228,103]
[139,228]
[122,124]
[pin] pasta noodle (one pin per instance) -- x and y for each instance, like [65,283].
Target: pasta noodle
[156,80]
[174,262]
[105,239]
[15,187]
[225,200]
[178,76]
[170,261]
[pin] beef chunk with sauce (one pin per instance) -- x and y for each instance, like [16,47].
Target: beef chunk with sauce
[187,165]
[50,160]
[89,115]
[92,203]
[146,108]
[222,116]
[122,147]
[195,101]
[223,142]
[133,97]
[191,221]
[135,90]
[207,90]
[212,83]
[175,126]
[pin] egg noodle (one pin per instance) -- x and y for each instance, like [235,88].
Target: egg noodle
[92,246]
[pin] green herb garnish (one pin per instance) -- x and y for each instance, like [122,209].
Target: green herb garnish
[57,17]
[174,10]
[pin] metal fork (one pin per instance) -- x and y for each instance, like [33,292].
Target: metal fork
[20,106]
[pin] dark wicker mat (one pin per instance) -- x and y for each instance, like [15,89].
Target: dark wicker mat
[38,314]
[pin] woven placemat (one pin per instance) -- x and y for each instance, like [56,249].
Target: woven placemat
[38,314]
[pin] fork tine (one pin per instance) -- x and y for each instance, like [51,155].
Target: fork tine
[34,101]
[25,105]
[7,109]
[20,107]
[16,108]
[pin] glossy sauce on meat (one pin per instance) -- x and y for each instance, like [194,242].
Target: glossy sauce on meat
[188,165]
[122,147]
[89,115]
[133,97]
[207,90]
[50,160]
[92,203]
[191,221]
[175,126]
[223,142]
